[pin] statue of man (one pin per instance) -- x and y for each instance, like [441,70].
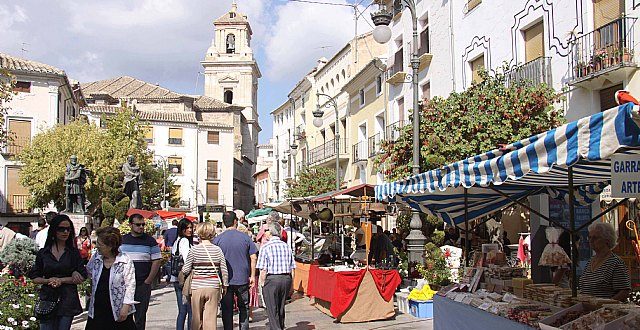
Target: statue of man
[132,182]
[75,177]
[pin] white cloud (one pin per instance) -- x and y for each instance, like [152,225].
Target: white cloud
[304,32]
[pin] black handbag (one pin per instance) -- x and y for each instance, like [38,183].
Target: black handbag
[176,261]
[45,309]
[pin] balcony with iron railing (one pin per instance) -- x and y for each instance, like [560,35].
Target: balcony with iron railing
[327,151]
[375,144]
[607,50]
[18,203]
[537,71]
[175,141]
[17,144]
[392,131]
[397,72]
[360,152]
[213,175]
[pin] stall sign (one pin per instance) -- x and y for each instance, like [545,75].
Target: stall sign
[625,176]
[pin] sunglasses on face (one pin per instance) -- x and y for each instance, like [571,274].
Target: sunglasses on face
[63,229]
[138,224]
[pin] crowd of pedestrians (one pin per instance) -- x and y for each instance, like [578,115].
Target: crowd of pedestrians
[214,272]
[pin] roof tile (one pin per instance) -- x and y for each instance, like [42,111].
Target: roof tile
[19,64]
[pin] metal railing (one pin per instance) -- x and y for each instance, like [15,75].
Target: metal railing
[18,204]
[360,151]
[375,143]
[17,144]
[213,175]
[398,62]
[177,141]
[537,71]
[611,45]
[392,131]
[326,150]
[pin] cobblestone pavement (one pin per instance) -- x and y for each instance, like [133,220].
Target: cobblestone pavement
[301,315]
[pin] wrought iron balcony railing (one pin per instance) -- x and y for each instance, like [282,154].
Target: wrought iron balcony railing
[375,142]
[360,151]
[599,51]
[326,151]
[392,131]
[537,71]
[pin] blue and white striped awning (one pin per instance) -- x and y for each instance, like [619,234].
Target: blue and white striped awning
[531,166]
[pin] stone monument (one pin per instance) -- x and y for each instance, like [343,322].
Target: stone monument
[132,182]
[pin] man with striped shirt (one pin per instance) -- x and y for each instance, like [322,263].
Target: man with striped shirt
[276,265]
[143,250]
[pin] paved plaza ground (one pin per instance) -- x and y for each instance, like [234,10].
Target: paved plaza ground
[301,315]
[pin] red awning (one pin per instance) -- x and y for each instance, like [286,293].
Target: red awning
[144,213]
[170,214]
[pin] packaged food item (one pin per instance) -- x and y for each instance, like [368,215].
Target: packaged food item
[595,320]
[553,255]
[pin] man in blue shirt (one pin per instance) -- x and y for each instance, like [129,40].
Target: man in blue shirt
[171,234]
[240,253]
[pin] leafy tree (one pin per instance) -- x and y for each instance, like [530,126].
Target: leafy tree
[102,151]
[19,255]
[312,181]
[477,120]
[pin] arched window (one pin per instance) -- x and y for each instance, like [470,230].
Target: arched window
[343,74]
[231,43]
[228,96]
[338,78]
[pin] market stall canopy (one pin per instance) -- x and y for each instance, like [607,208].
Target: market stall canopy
[259,212]
[531,166]
[144,213]
[355,191]
[258,219]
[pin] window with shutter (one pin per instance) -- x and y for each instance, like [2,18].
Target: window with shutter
[17,194]
[175,136]
[607,97]
[605,11]
[212,193]
[19,132]
[534,42]
[22,87]
[213,137]
[424,42]
[175,165]
[476,66]
[212,170]
[148,134]
[426,91]
[401,110]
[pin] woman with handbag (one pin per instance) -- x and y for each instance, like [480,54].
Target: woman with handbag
[113,284]
[207,284]
[179,253]
[58,269]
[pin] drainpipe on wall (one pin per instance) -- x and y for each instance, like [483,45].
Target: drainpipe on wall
[452,45]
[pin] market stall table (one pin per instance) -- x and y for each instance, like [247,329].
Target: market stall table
[354,296]
[449,314]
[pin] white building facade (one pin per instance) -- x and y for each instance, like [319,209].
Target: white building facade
[43,97]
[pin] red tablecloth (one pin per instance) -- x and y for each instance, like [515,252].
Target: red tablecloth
[340,288]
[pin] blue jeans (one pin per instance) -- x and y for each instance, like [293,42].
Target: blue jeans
[57,323]
[184,309]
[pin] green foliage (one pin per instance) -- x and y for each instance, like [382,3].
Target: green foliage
[149,227]
[437,237]
[16,306]
[472,122]
[19,255]
[312,181]
[434,269]
[102,151]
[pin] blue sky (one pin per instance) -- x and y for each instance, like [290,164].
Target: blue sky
[163,41]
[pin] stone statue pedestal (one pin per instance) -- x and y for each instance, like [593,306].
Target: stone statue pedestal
[79,220]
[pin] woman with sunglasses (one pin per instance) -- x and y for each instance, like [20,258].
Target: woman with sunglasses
[180,249]
[59,269]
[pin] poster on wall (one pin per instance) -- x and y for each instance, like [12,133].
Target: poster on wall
[559,211]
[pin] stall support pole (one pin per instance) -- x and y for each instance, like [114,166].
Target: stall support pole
[572,226]
[467,244]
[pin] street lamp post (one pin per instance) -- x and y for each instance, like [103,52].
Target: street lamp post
[317,122]
[293,146]
[164,181]
[382,34]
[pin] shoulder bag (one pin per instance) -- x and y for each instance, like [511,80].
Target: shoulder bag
[215,269]
[45,309]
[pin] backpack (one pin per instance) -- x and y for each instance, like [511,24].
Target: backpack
[176,260]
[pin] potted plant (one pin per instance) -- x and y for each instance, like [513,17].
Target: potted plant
[627,55]
[434,270]
[579,69]
[600,60]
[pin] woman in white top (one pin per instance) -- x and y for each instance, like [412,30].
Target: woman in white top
[181,248]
